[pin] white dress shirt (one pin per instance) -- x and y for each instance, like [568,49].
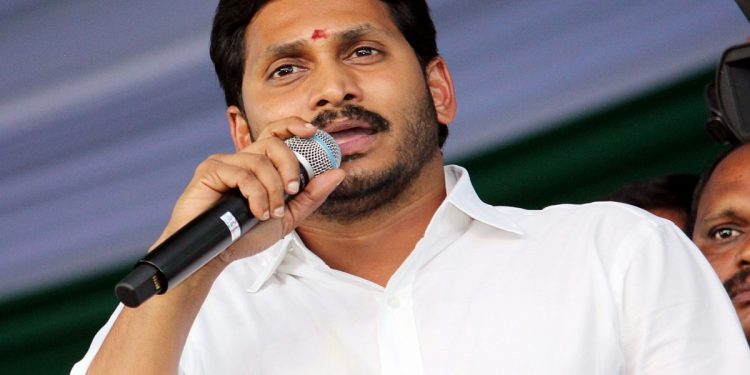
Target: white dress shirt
[601,288]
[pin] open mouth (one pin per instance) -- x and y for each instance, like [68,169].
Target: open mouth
[353,137]
[354,128]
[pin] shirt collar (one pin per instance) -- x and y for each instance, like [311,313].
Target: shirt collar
[460,194]
[261,267]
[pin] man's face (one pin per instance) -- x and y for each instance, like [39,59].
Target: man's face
[722,228]
[344,66]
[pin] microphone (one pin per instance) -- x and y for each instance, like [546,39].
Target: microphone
[204,237]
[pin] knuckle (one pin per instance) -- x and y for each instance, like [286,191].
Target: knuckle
[261,159]
[205,167]
[245,178]
[211,161]
[274,144]
[215,158]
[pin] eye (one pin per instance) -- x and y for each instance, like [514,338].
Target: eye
[285,70]
[363,52]
[366,51]
[724,233]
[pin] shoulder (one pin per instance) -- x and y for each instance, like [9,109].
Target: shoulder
[612,217]
[610,233]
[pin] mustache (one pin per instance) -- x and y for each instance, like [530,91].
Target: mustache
[733,284]
[352,112]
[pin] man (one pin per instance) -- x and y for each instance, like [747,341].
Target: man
[722,226]
[669,196]
[402,270]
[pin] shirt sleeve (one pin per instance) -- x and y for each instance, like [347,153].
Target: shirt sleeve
[676,316]
[82,366]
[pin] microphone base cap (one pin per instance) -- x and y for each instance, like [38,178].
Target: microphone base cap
[139,285]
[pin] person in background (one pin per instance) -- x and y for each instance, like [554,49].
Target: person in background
[669,196]
[721,226]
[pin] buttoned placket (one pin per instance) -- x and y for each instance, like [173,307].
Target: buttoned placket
[398,337]
[398,340]
[397,331]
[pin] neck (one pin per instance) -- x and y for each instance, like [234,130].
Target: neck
[374,246]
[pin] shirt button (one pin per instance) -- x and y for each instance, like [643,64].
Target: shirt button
[393,302]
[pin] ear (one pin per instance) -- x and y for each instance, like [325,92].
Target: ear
[440,83]
[239,128]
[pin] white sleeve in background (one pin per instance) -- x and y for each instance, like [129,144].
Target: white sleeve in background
[677,318]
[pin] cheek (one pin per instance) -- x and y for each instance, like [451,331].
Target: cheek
[723,264]
[384,93]
[395,86]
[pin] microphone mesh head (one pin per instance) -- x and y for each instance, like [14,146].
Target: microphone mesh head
[320,151]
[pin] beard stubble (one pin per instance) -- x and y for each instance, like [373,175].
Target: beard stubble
[364,194]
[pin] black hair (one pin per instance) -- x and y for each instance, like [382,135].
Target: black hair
[412,17]
[673,191]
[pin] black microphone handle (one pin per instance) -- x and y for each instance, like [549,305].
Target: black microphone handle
[187,250]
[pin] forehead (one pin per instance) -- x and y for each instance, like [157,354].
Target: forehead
[281,21]
[730,181]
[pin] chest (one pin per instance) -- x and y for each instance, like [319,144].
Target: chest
[472,311]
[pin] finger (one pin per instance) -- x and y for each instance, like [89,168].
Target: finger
[283,159]
[287,128]
[213,177]
[270,143]
[269,232]
[253,174]
[306,202]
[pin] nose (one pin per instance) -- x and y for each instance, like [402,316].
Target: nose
[333,85]
[743,253]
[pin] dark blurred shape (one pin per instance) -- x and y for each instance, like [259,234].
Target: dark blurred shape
[668,196]
[728,97]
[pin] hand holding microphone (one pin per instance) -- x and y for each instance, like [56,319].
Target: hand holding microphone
[210,233]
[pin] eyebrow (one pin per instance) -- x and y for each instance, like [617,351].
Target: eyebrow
[356,32]
[296,47]
[724,214]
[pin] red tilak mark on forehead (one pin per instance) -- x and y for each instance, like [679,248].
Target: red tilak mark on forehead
[319,34]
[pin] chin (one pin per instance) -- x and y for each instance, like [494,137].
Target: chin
[364,166]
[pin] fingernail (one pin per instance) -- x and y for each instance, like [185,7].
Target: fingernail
[309,125]
[279,211]
[293,187]
[265,215]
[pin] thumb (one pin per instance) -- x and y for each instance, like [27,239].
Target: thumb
[316,192]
